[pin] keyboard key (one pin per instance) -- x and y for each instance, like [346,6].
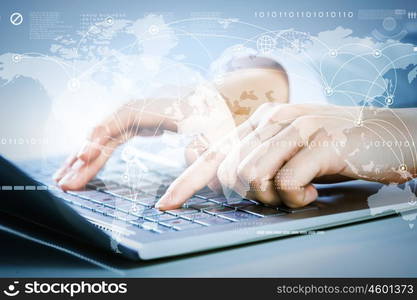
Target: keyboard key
[116,214]
[108,211]
[207,193]
[194,200]
[219,199]
[122,192]
[144,211]
[95,184]
[238,215]
[240,204]
[213,221]
[218,210]
[205,205]
[261,211]
[119,202]
[86,194]
[181,224]
[109,185]
[94,196]
[87,203]
[131,196]
[162,217]
[196,216]
[124,216]
[109,201]
[146,200]
[126,206]
[182,211]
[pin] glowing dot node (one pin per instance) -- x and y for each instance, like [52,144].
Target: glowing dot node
[328,91]
[359,123]
[153,29]
[16,58]
[403,168]
[333,53]
[109,21]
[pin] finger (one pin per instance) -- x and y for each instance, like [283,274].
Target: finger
[82,172]
[266,194]
[230,181]
[201,172]
[272,122]
[293,180]
[64,168]
[91,147]
[193,151]
[113,126]
[227,171]
[131,117]
[261,165]
[263,191]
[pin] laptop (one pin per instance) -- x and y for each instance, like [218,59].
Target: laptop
[118,217]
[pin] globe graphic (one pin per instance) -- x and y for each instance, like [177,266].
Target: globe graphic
[265,44]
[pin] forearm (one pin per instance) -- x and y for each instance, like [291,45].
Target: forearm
[216,108]
[382,147]
[406,122]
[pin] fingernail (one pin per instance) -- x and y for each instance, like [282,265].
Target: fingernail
[161,202]
[310,194]
[71,176]
[160,206]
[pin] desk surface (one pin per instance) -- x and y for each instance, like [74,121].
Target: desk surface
[383,247]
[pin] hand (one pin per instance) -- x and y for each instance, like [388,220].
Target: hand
[132,119]
[206,105]
[277,154]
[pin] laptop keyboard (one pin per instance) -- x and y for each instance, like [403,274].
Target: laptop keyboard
[136,206]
